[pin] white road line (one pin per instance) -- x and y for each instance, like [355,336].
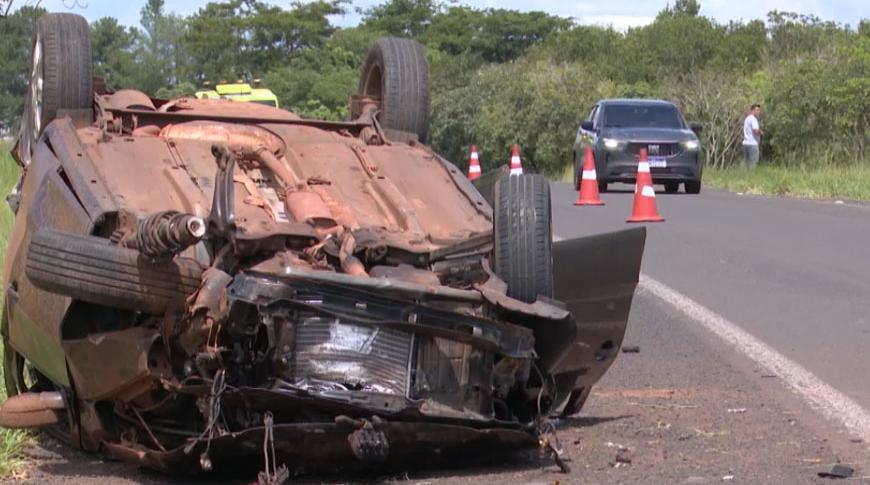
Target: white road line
[831,403]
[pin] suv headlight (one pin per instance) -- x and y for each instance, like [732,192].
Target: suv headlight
[691,145]
[610,143]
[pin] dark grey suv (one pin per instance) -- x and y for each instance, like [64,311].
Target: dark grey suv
[620,128]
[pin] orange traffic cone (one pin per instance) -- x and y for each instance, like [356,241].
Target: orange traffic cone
[589,181]
[474,164]
[644,195]
[516,165]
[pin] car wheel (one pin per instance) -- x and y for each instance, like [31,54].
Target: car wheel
[396,72]
[602,186]
[20,376]
[693,187]
[672,188]
[524,236]
[61,74]
[90,269]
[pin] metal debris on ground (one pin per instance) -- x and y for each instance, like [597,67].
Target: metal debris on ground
[838,471]
[630,349]
[736,410]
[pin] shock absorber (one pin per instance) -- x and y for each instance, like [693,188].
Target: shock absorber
[166,233]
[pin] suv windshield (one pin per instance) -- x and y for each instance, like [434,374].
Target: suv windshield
[622,116]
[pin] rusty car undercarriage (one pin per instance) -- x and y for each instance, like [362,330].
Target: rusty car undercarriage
[192,282]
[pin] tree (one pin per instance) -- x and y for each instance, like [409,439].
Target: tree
[160,51]
[244,38]
[112,46]
[16,31]
[494,35]
[401,18]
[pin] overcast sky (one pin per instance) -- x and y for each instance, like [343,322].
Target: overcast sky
[619,13]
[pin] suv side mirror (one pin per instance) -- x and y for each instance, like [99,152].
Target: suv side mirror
[586,126]
[696,127]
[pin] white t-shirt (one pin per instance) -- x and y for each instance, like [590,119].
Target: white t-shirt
[749,125]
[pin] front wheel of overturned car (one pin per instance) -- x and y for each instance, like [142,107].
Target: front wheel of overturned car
[693,187]
[524,236]
[396,73]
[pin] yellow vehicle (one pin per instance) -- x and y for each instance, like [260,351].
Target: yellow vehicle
[241,92]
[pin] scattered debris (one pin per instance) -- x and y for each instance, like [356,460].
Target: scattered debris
[662,406]
[695,480]
[630,349]
[838,471]
[736,410]
[769,376]
[623,456]
[728,478]
[856,440]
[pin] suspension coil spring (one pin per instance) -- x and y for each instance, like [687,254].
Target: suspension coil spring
[168,233]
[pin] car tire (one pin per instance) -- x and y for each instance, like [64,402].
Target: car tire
[396,72]
[672,188]
[91,269]
[602,186]
[693,187]
[61,58]
[524,236]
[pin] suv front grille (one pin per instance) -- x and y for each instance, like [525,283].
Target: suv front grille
[655,149]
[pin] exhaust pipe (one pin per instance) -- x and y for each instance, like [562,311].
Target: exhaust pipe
[31,410]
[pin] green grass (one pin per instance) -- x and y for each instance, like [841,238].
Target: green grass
[826,182]
[12,442]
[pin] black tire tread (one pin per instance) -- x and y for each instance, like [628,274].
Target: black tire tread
[89,269]
[524,236]
[405,85]
[67,64]
[693,186]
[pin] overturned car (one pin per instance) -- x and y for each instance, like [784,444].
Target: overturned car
[190,283]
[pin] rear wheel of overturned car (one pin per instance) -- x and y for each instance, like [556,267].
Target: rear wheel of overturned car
[524,236]
[397,74]
[61,74]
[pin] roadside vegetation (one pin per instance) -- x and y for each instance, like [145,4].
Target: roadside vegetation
[849,182]
[12,442]
[503,77]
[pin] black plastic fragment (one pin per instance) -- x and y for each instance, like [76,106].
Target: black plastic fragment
[838,471]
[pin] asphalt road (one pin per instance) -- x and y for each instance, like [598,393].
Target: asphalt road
[733,286]
[793,273]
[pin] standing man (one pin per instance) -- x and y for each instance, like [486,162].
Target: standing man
[751,137]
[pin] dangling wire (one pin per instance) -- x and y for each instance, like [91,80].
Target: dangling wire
[218,386]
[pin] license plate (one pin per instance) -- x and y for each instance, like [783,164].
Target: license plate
[658,162]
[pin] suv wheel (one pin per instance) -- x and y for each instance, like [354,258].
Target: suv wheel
[693,187]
